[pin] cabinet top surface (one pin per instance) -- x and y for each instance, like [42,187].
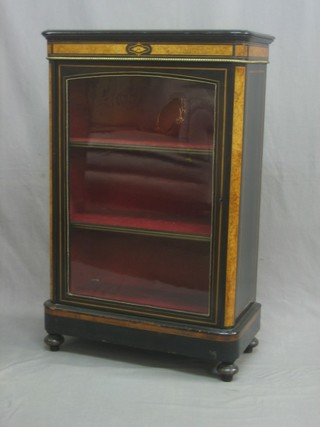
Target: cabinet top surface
[205,36]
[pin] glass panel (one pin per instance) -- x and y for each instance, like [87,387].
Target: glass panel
[153,271]
[140,190]
[169,192]
[139,110]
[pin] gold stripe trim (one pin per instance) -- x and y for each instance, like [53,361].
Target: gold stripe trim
[156,49]
[251,51]
[234,195]
[154,327]
[159,59]
[222,51]
[241,50]
[89,48]
[257,51]
[193,49]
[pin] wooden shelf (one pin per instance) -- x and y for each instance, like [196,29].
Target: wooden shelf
[143,225]
[142,144]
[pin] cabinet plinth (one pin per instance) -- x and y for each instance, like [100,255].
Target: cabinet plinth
[156,152]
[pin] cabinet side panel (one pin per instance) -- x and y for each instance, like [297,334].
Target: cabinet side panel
[234,193]
[250,187]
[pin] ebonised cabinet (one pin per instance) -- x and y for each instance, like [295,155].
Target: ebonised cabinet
[156,150]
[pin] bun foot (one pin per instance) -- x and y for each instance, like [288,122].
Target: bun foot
[54,341]
[227,371]
[252,345]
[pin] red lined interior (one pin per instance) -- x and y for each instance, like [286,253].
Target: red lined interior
[166,273]
[126,110]
[155,192]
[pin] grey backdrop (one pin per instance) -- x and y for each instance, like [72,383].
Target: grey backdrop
[92,384]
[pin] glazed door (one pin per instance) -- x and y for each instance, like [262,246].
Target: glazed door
[140,150]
